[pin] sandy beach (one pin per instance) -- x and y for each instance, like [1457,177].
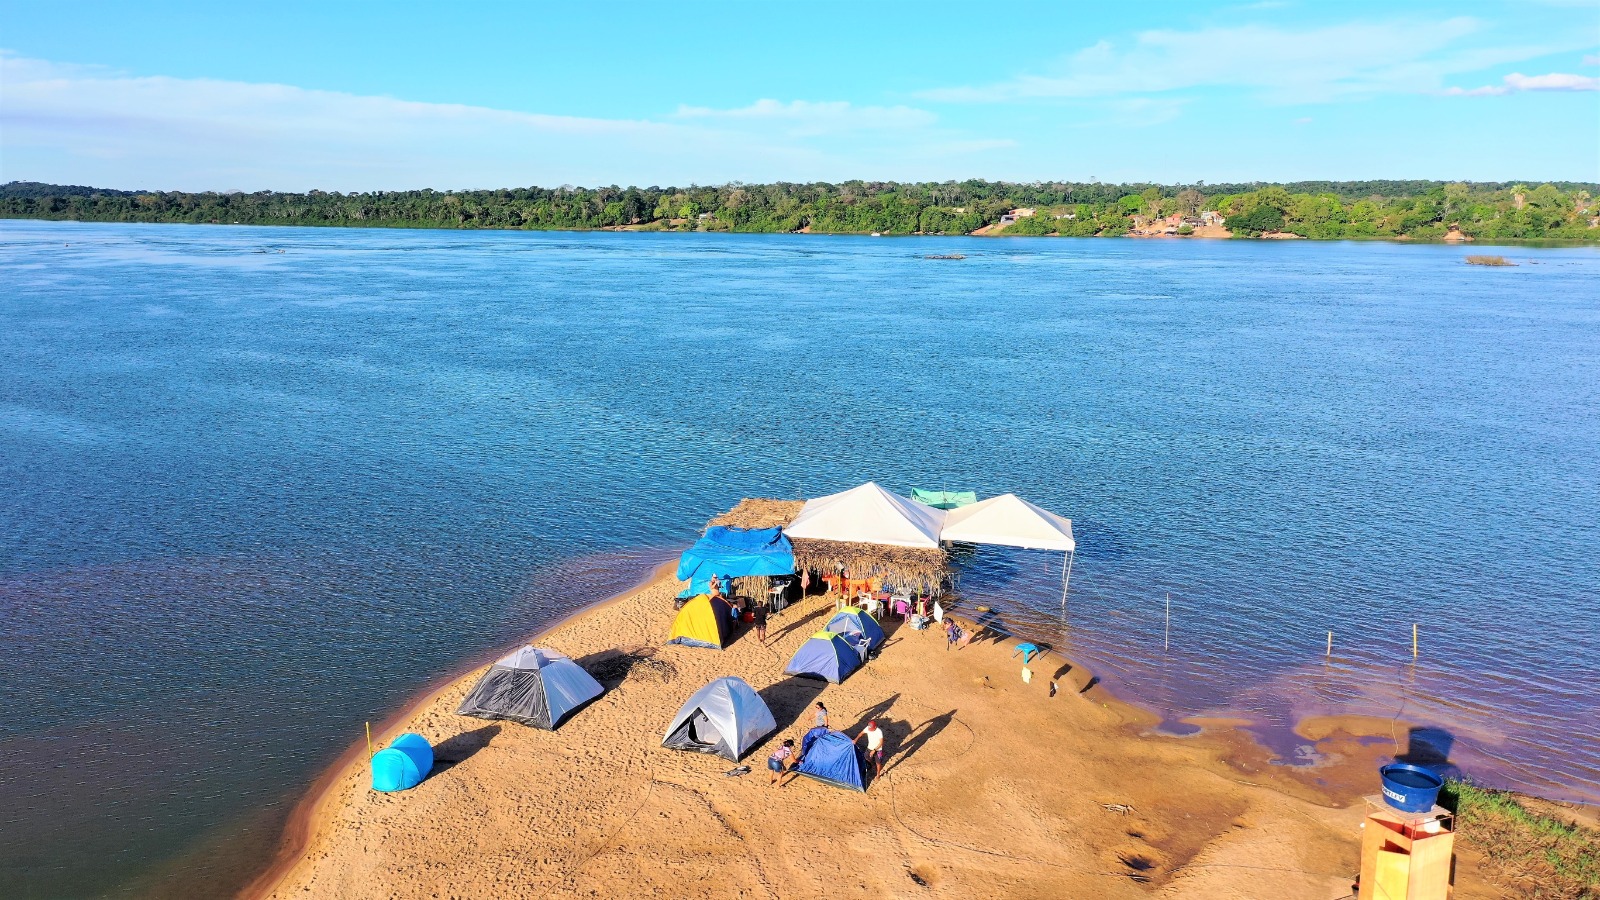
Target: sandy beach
[992,788]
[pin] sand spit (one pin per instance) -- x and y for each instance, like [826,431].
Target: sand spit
[993,788]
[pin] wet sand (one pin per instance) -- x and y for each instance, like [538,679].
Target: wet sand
[993,788]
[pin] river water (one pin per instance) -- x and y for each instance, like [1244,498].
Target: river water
[262,484]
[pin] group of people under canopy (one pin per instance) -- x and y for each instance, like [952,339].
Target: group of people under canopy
[868,515]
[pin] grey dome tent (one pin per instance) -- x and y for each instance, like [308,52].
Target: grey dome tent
[533,686]
[726,717]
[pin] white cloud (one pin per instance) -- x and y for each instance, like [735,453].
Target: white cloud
[1592,60]
[1516,81]
[91,125]
[1282,65]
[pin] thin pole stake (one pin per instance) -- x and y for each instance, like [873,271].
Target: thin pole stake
[1166,636]
[369,740]
[1413,640]
[1330,643]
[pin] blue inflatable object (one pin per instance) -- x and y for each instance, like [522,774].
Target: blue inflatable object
[1410,788]
[831,758]
[407,760]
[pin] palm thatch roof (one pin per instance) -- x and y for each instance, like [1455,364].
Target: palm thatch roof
[908,567]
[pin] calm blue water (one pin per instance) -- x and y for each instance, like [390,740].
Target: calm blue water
[252,499]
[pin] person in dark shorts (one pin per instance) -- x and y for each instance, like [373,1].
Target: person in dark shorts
[822,715]
[759,610]
[874,736]
[777,763]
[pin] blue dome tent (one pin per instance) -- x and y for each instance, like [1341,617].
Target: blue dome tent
[831,759]
[827,656]
[402,766]
[854,622]
[734,553]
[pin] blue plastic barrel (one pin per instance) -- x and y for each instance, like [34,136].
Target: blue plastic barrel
[1410,788]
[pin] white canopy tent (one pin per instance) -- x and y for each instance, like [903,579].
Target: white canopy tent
[1010,521]
[870,515]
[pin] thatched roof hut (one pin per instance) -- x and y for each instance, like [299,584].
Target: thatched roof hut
[910,567]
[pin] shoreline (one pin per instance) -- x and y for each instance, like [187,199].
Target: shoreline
[312,808]
[1347,745]
[1221,747]
[1475,243]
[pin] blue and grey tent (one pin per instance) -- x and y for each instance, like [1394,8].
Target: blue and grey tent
[734,553]
[831,758]
[855,623]
[532,686]
[726,717]
[827,656]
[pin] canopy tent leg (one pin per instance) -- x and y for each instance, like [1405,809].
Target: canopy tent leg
[1066,577]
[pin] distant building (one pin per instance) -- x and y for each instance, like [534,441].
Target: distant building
[703,216]
[1066,216]
[1014,215]
[1212,217]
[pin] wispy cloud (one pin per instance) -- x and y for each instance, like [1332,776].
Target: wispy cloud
[807,117]
[1281,65]
[85,124]
[1592,60]
[1516,82]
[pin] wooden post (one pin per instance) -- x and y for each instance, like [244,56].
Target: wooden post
[1330,643]
[1166,636]
[1413,640]
[369,740]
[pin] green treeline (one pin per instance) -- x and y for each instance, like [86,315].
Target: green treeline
[1420,210]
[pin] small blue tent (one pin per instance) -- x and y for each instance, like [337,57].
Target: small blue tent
[854,622]
[827,656]
[831,758]
[734,553]
[407,760]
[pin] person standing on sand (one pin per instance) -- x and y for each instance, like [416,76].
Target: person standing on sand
[951,633]
[777,763]
[760,612]
[822,715]
[874,736]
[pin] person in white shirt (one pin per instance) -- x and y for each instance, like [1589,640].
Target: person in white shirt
[874,736]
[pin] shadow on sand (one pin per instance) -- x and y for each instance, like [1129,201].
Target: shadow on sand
[790,700]
[460,748]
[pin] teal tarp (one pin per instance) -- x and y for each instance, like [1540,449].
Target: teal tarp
[944,499]
[734,553]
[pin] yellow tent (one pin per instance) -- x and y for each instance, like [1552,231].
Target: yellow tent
[703,622]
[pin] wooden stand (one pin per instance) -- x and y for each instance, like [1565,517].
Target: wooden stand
[1406,856]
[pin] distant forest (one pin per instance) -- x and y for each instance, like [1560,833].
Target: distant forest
[1420,210]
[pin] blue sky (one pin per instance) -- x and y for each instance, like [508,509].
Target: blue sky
[358,96]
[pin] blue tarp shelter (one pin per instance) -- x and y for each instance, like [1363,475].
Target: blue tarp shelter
[827,656]
[831,758]
[734,553]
